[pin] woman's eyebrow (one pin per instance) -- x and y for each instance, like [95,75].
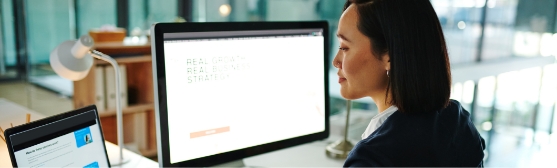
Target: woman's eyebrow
[342,37]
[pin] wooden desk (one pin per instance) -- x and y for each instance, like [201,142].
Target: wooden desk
[14,113]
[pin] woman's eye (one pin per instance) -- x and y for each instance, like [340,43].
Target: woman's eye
[343,49]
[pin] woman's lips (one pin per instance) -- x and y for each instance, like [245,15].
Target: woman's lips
[340,80]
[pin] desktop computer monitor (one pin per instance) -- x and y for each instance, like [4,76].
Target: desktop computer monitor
[226,91]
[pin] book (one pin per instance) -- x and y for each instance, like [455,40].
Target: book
[100,98]
[110,87]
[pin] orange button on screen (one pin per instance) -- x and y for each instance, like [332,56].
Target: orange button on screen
[209,132]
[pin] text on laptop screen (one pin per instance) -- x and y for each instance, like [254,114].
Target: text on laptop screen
[237,89]
[71,142]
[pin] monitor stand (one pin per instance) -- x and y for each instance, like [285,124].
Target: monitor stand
[236,163]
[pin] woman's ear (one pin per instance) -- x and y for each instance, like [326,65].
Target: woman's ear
[386,59]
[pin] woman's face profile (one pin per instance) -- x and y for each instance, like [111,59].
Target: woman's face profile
[360,73]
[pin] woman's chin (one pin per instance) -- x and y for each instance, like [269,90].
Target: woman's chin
[350,95]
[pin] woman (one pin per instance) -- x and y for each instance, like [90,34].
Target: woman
[394,52]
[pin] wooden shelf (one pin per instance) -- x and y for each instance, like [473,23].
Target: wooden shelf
[138,117]
[119,48]
[128,110]
[149,153]
[127,60]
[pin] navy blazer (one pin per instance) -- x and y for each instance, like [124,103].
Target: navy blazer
[446,138]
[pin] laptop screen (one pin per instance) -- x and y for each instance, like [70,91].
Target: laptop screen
[73,141]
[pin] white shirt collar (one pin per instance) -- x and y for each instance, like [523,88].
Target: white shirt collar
[378,120]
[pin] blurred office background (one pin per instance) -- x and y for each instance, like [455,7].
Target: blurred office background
[502,53]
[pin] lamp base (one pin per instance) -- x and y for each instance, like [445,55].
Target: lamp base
[339,149]
[115,160]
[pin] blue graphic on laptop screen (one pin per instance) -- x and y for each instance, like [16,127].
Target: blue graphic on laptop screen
[92,165]
[83,137]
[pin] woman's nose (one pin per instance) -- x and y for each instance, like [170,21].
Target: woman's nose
[336,61]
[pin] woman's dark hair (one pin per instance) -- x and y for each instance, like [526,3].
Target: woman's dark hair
[409,31]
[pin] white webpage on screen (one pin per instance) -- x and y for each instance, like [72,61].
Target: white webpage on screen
[229,94]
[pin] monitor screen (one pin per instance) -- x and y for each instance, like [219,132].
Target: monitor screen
[56,141]
[228,90]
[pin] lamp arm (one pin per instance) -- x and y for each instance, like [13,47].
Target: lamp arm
[348,107]
[104,57]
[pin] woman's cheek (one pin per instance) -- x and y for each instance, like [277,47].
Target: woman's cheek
[352,67]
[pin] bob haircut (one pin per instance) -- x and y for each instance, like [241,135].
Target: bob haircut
[410,32]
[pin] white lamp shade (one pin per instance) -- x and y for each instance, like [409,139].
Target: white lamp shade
[68,65]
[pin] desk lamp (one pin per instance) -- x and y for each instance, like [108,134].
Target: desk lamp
[341,148]
[73,60]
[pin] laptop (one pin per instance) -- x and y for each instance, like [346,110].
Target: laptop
[71,139]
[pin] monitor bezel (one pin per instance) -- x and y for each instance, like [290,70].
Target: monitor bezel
[38,123]
[159,81]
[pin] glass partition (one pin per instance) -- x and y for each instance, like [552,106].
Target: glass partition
[8,57]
